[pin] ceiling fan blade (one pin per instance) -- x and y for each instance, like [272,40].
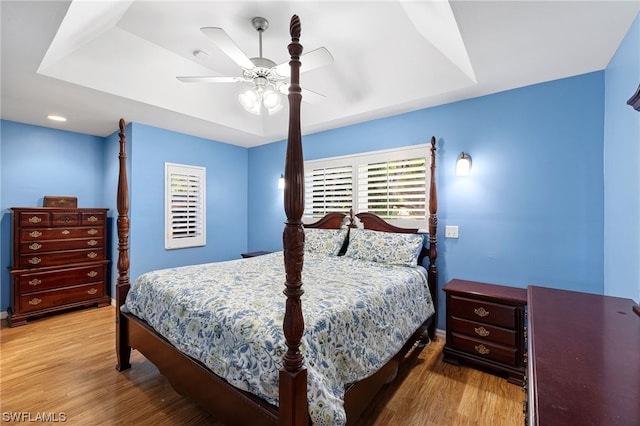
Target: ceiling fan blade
[307,95]
[228,46]
[314,59]
[210,79]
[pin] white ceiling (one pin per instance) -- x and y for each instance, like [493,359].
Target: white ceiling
[97,61]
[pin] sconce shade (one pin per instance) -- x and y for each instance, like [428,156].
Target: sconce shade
[463,164]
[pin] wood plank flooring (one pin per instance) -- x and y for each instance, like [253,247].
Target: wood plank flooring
[63,368]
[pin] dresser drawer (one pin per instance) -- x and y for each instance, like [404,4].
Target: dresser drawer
[38,281]
[483,311]
[34,218]
[60,233]
[38,260]
[65,219]
[483,349]
[51,245]
[96,219]
[484,332]
[63,296]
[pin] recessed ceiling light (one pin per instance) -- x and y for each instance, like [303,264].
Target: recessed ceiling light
[56,118]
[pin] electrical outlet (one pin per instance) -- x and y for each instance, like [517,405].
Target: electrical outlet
[451,232]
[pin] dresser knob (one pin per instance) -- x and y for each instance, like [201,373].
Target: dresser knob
[35,219]
[35,246]
[92,242]
[482,349]
[481,312]
[35,282]
[66,232]
[92,219]
[35,234]
[481,331]
[92,254]
[35,260]
[92,291]
[35,301]
[92,274]
[92,231]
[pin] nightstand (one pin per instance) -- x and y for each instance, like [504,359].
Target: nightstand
[254,254]
[486,327]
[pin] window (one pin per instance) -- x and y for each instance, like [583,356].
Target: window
[391,183]
[184,216]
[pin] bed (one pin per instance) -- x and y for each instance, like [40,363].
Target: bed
[301,370]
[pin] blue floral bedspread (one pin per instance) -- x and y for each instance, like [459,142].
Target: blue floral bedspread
[229,316]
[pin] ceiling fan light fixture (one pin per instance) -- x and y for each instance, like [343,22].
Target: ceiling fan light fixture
[250,100]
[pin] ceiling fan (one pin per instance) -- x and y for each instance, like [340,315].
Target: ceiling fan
[269,80]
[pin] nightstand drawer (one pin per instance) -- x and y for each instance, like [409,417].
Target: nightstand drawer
[483,349]
[483,311]
[484,332]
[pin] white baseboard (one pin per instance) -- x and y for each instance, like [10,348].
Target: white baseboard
[3,315]
[441,334]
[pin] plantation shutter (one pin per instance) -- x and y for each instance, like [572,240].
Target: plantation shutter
[391,183]
[328,189]
[185,206]
[394,190]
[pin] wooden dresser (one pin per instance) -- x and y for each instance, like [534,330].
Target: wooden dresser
[59,260]
[486,327]
[584,360]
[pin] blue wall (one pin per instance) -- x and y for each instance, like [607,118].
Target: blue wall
[38,161]
[530,212]
[622,171]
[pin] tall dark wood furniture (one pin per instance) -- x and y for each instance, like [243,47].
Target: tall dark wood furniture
[486,327]
[59,260]
[584,359]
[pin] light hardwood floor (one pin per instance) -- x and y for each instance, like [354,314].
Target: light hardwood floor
[63,368]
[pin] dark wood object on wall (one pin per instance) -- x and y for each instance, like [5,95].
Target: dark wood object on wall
[59,260]
[634,100]
[59,201]
[584,358]
[486,327]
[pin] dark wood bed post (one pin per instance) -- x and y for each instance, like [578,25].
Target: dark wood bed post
[123,349]
[293,410]
[432,276]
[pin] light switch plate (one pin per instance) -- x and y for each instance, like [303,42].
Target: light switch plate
[451,232]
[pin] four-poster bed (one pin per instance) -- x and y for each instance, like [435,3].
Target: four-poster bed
[306,358]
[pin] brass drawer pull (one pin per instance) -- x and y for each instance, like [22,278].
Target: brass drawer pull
[92,254]
[35,282]
[92,219]
[35,301]
[35,234]
[92,231]
[92,291]
[482,349]
[92,274]
[481,312]
[481,331]
[92,242]
[35,260]
[66,232]
[35,219]
[35,246]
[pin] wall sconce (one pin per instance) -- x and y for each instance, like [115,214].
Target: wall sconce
[281,182]
[463,164]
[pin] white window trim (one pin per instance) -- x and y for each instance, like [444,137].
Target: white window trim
[199,213]
[353,160]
